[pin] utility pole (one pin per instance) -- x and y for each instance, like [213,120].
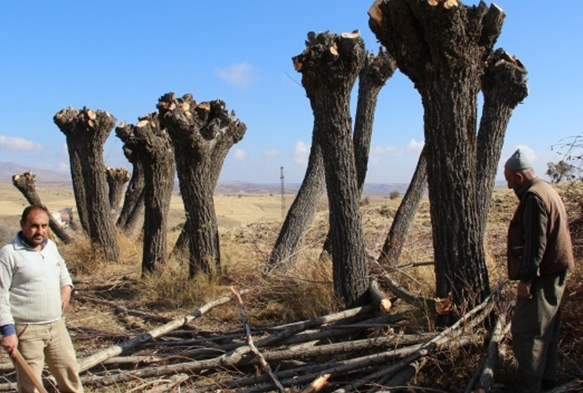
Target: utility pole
[282,195]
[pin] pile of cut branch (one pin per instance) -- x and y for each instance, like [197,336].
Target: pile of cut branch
[360,349]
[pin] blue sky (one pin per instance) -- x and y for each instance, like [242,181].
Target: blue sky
[121,56]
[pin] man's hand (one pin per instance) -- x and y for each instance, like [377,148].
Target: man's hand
[9,343]
[65,296]
[523,290]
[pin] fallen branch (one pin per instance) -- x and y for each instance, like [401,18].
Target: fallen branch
[264,365]
[378,299]
[93,360]
[486,382]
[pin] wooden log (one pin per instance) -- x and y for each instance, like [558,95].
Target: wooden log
[486,382]
[25,184]
[378,298]
[296,328]
[318,384]
[261,360]
[166,384]
[395,383]
[407,296]
[93,360]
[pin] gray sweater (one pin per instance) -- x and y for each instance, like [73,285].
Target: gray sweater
[31,282]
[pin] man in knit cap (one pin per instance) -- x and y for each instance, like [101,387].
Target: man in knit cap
[539,257]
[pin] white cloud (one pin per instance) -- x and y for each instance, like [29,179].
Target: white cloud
[240,74]
[63,166]
[301,153]
[8,143]
[388,151]
[239,154]
[415,147]
[271,153]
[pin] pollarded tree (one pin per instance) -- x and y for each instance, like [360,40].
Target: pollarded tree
[444,47]
[202,134]
[329,67]
[133,203]
[86,132]
[116,179]
[373,76]
[152,146]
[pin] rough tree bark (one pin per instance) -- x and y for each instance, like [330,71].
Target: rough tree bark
[443,46]
[504,87]
[116,178]
[395,240]
[202,134]
[329,67]
[133,204]
[86,132]
[373,76]
[25,184]
[301,212]
[375,73]
[152,144]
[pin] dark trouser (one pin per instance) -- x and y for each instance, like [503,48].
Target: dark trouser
[535,333]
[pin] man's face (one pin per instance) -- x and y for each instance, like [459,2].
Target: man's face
[514,179]
[35,228]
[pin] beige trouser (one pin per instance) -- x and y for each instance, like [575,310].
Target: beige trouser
[535,333]
[48,342]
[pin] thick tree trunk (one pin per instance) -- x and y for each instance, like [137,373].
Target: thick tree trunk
[373,76]
[153,147]
[116,179]
[25,184]
[504,87]
[86,132]
[76,158]
[133,204]
[202,134]
[443,47]
[395,240]
[329,67]
[301,212]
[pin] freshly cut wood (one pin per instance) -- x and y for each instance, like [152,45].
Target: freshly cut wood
[318,384]
[93,360]
[378,299]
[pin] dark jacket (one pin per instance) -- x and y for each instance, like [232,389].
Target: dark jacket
[547,248]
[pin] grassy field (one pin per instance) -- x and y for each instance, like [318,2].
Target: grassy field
[249,225]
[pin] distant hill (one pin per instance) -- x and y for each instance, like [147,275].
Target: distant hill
[46,177]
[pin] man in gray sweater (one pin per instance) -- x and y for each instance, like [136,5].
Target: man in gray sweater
[35,289]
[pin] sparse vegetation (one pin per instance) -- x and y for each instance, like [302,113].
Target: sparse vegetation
[302,292]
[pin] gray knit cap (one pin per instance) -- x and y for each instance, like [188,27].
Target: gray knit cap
[518,161]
